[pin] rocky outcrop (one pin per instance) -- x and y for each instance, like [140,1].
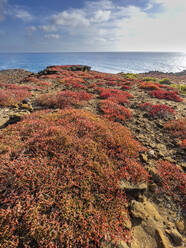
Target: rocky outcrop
[56,69]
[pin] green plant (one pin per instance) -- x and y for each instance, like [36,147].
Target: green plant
[149,79]
[129,75]
[165,81]
[180,87]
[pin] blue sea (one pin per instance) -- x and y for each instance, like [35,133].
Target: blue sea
[113,62]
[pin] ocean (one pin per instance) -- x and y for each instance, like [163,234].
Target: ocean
[111,62]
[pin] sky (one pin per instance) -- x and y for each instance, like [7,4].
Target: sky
[92,25]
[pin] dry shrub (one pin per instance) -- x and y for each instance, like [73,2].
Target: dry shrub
[60,174]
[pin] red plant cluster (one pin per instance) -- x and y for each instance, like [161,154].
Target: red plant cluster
[125,87]
[177,127]
[167,87]
[158,110]
[172,179]
[146,106]
[114,95]
[92,85]
[64,99]
[114,111]
[110,79]
[149,86]
[101,82]
[38,82]
[51,76]
[58,68]
[78,74]
[83,74]
[74,82]
[60,173]
[32,79]
[163,94]
[183,144]
[178,130]
[15,86]
[10,97]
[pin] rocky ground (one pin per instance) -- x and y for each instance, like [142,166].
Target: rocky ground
[157,221]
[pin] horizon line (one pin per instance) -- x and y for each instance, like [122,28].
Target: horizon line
[6,52]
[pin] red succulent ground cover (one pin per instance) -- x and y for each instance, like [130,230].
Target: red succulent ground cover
[114,111]
[183,144]
[149,86]
[51,76]
[15,86]
[115,95]
[10,97]
[60,180]
[125,87]
[163,94]
[172,180]
[71,82]
[167,87]
[64,99]
[178,129]
[158,110]
[110,79]
[38,82]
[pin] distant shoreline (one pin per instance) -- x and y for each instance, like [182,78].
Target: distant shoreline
[181,73]
[107,62]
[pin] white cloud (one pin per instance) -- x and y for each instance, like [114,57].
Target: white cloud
[99,4]
[74,18]
[19,12]
[108,26]
[149,6]
[32,28]
[48,28]
[143,32]
[52,36]
[23,15]
[101,16]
